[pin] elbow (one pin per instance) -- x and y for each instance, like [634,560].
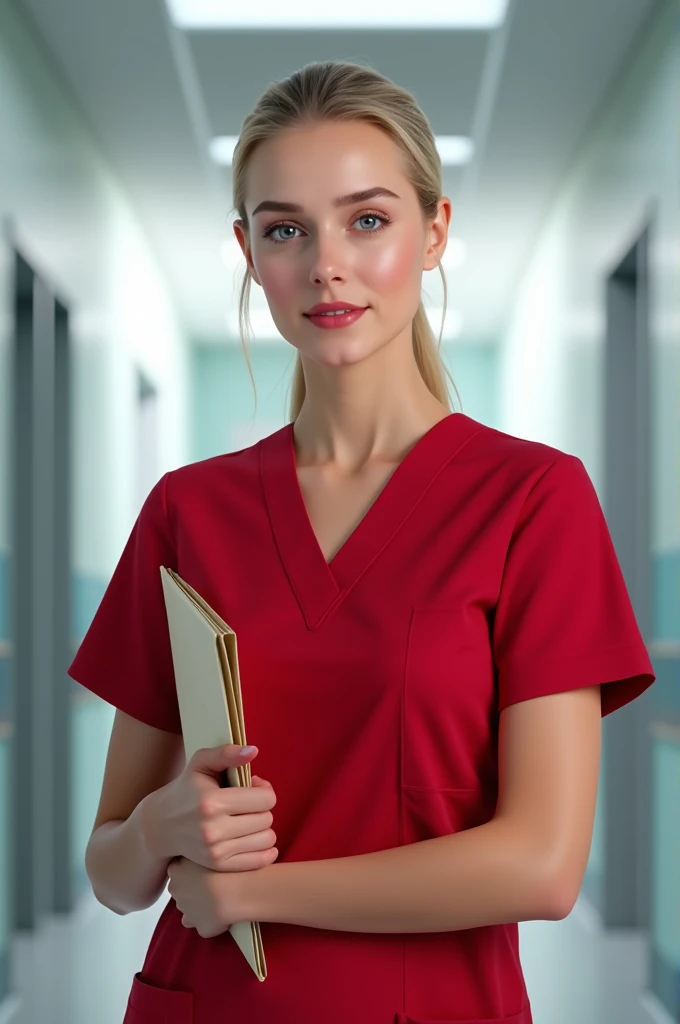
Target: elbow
[96,891]
[103,900]
[107,903]
[114,910]
[117,909]
[561,905]
[557,895]
[131,906]
[557,870]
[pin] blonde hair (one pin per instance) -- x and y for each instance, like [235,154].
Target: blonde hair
[348,91]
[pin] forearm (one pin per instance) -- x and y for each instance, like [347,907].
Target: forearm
[125,873]
[484,876]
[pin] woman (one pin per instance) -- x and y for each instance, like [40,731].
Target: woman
[431,623]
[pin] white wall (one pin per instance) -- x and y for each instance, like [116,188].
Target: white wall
[78,229]
[551,362]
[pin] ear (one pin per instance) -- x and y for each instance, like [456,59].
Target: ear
[438,234]
[242,239]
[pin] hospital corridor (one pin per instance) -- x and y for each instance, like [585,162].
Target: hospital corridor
[150,377]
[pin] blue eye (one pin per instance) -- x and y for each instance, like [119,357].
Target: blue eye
[284,224]
[275,227]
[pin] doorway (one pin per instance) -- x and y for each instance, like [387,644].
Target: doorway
[40,610]
[627,749]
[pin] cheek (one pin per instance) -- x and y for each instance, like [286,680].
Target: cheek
[393,268]
[277,281]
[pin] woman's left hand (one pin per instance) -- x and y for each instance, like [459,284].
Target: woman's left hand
[207,899]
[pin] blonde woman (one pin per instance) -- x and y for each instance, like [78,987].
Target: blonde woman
[431,623]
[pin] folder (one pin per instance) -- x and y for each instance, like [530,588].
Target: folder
[207,681]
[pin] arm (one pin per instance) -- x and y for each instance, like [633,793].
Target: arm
[126,873]
[526,863]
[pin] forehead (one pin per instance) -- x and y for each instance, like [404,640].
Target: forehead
[313,164]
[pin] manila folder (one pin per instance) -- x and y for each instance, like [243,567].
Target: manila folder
[204,655]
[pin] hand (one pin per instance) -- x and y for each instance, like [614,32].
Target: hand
[223,829]
[208,899]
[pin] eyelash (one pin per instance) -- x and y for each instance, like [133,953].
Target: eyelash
[369,213]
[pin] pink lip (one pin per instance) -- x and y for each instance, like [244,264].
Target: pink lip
[330,307]
[334,322]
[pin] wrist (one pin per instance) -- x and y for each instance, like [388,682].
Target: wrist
[254,894]
[151,824]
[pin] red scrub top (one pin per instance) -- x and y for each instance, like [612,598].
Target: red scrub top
[482,575]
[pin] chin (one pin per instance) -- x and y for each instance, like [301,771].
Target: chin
[334,353]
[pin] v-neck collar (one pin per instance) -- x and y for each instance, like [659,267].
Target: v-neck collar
[320,586]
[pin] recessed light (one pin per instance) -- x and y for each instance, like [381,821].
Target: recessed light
[265,14]
[453,149]
[222,149]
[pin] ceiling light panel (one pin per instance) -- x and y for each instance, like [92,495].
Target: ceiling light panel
[302,14]
[454,150]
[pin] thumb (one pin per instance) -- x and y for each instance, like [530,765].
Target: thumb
[258,781]
[216,759]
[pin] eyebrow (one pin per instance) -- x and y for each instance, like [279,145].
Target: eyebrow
[278,206]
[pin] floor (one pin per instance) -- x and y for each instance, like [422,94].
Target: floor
[573,973]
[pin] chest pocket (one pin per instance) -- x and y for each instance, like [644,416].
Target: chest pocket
[449,721]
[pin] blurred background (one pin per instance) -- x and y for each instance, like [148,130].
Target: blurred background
[559,129]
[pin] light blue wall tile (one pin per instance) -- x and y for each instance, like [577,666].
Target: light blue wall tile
[5,688]
[224,417]
[86,595]
[665,923]
[666,689]
[92,721]
[4,596]
[666,600]
[224,400]
[5,889]
[474,369]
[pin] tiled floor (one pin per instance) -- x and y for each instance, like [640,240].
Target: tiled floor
[78,971]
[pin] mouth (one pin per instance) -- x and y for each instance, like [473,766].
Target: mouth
[331,308]
[336,318]
[338,312]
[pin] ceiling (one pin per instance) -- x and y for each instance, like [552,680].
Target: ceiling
[154,96]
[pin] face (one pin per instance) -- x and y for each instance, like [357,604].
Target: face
[370,252]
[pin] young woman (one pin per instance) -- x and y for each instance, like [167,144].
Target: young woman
[431,623]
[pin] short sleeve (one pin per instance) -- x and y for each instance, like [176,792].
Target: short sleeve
[564,619]
[125,656]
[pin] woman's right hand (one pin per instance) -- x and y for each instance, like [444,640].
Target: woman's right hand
[222,829]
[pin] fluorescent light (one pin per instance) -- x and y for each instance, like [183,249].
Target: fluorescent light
[222,149]
[429,14]
[453,149]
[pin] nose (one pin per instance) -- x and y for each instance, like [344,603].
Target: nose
[328,258]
